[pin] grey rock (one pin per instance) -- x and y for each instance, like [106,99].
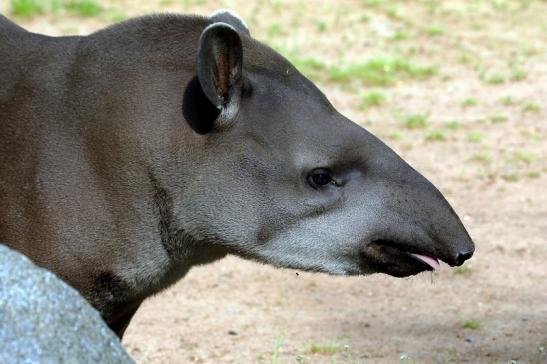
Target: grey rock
[43,320]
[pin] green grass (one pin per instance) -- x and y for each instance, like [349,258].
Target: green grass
[464,271]
[187,3]
[274,30]
[27,8]
[415,121]
[393,13]
[518,75]
[508,101]
[453,125]
[115,15]
[525,157]
[499,119]
[469,102]
[372,99]
[435,136]
[471,324]
[399,36]
[433,31]
[321,26]
[83,7]
[327,348]
[531,107]
[494,79]
[275,352]
[381,72]
[364,18]
[372,3]
[474,137]
[465,58]
[395,136]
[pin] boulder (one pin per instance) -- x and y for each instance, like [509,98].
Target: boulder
[44,320]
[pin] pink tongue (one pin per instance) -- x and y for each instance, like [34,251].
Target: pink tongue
[432,262]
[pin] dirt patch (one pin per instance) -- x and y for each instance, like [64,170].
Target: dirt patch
[482,142]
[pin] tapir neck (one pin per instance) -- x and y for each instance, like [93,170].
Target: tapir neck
[90,202]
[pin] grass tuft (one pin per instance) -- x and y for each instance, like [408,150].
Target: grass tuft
[435,136]
[372,3]
[29,8]
[453,125]
[327,348]
[381,72]
[474,137]
[395,136]
[533,174]
[508,101]
[399,36]
[499,119]
[518,75]
[275,352]
[526,157]
[434,31]
[26,8]
[531,107]
[471,324]
[321,26]
[469,102]
[464,271]
[274,30]
[494,79]
[372,99]
[415,121]
[84,7]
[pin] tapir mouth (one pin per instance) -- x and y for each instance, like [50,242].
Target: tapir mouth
[398,259]
[432,262]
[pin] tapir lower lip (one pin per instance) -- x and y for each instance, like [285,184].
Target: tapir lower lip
[413,253]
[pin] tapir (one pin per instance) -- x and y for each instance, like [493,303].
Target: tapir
[132,154]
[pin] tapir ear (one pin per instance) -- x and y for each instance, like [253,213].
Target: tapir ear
[220,59]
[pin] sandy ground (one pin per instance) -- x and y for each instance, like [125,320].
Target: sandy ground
[492,168]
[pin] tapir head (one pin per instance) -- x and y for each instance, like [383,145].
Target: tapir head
[283,178]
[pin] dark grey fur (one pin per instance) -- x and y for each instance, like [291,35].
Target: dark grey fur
[121,168]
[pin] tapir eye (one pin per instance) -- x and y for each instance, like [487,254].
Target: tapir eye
[319,177]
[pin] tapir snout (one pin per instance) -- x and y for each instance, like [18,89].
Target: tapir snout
[415,223]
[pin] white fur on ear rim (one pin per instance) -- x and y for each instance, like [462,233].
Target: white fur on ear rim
[231,18]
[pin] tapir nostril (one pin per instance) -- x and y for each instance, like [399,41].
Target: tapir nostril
[462,257]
